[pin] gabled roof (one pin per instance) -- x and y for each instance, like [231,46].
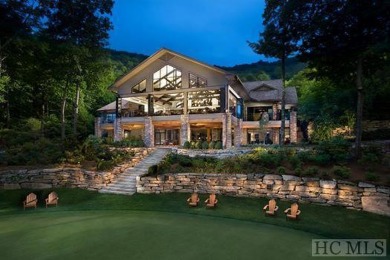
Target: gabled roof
[270,91]
[164,54]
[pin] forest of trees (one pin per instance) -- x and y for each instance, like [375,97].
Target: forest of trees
[55,68]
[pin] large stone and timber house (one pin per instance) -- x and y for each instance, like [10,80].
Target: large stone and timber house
[170,98]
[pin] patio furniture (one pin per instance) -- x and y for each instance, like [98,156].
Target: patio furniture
[212,201]
[31,201]
[193,200]
[52,199]
[292,212]
[271,208]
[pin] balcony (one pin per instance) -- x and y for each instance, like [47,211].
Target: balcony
[270,124]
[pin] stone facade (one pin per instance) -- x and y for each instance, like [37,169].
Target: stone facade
[98,130]
[227,130]
[118,131]
[185,129]
[293,127]
[149,132]
[363,196]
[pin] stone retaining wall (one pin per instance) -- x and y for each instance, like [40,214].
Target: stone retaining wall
[65,176]
[362,196]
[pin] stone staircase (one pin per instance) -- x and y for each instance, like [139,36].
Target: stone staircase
[126,182]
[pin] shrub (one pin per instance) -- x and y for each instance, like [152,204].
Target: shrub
[184,161]
[205,145]
[323,159]
[192,145]
[42,151]
[10,138]
[269,160]
[306,156]
[298,171]
[325,176]
[187,145]
[218,145]
[152,170]
[295,161]
[32,124]
[310,171]
[92,147]
[336,148]
[212,145]
[342,171]
[103,165]
[281,170]
[370,176]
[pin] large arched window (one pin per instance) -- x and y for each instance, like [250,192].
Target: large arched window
[167,78]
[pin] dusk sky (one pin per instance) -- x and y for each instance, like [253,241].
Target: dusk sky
[212,31]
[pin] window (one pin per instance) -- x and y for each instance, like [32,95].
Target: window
[205,101]
[196,81]
[167,78]
[139,88]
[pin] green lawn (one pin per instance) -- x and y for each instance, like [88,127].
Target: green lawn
[89,225]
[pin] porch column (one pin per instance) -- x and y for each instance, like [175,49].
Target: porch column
[238,134]
[149,132]
[275,135]
[185,129]
[227,130]
[244,136]
[293,126]
[275,111]
[118,131]
[98,130]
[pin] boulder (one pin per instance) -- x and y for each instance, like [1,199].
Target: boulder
[378,205]
[366,185]
[291,178]
[328,184]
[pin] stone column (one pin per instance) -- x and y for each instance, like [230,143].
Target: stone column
[238,135]
[275,135]
[274,111]
[185,129]
[98,130]
[227,130]
[118,131]
[244,136]
[215,135]
[293,127]
[149,132]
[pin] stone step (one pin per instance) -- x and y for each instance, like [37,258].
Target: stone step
[126,182]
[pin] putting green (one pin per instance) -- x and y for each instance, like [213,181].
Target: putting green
[145,235]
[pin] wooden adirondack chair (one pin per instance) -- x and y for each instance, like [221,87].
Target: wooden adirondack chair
[52,199]
[212,201]
[31,201]
[272,208]
[292,212]
[193,200]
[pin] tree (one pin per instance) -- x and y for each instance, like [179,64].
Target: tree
[18,19]
[81,27]
[344,40]
[277,41]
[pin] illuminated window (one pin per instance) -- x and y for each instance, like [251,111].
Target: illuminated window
[167,78]
[139,88]
[197,82]
[205,101]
